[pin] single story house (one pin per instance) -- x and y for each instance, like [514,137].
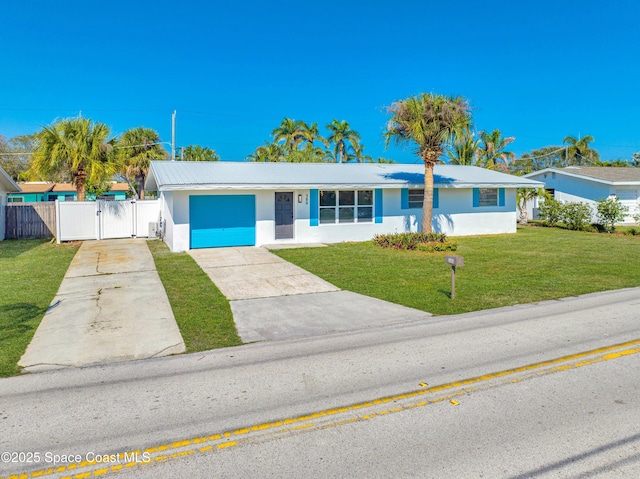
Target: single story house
[36,191]
[212,204]
[588,184]
[7,185]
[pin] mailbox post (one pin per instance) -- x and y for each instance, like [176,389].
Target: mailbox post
[454,261]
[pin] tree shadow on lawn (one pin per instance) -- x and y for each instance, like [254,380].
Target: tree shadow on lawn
[13,248]
[18,319]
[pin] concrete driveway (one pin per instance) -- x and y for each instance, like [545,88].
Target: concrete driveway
[273,299]
[111,306]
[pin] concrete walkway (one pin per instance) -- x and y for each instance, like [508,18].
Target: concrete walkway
[111,306]
[273,299]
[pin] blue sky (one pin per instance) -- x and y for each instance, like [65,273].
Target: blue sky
[538,71]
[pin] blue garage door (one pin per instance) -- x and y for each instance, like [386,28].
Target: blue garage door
[222,220]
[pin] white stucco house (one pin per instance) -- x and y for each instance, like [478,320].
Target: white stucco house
[589,184]
[210,204]
[7,185]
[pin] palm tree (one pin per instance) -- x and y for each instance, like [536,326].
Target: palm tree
[199,153]
[578,152]
[75,146]
[136,149]
[523,196]
[491,151]
[463,150]
[430,121]
[311,134]
[292,132]
[269,152]
[341,134]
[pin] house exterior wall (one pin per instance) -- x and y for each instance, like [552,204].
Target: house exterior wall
[454,215]
[3,212]
[28,197]
[569,189]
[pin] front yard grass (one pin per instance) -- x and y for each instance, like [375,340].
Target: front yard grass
[30,274]
[201,311]
[533,265]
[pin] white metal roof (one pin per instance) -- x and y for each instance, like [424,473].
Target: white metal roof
[7,182]
[216,175]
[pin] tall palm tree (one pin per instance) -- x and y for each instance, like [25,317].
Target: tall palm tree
[77,146]
[491,152]
[579,152]
[523,196]
[136,149]
[342,135]
[199,153]
[291,131]
[463,150]
[311,135]
[430,121]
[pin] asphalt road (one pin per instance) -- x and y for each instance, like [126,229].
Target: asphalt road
[547,390]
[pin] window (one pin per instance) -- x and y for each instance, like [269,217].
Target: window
[416,198]
[15,199]
[347,206]
[488,197]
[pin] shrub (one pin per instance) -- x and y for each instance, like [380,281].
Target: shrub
[550,212]
[436,246]
[576,216]
[610,212]
[408,241]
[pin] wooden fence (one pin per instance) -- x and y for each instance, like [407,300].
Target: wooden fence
[31,220]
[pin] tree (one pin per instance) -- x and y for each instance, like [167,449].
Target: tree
[292,132]
[76,146]
[635,159]
[199,153]
[523,196]
[431,121]
[463,150]
[136,149]
[578,152]
[491,152]
[341,137]
[269,152]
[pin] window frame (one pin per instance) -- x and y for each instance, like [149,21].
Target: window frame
[339,208]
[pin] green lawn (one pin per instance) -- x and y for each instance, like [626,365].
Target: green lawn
[30,273]
[533,265]
[201,311]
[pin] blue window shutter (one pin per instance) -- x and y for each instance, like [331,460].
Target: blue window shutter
[476,197]
[378,205]
[313,207]
[436,198]
[501,197]
[404,198]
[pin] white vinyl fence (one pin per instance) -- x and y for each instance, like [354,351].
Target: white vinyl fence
[103,219]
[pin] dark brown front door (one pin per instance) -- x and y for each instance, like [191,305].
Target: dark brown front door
[284,215]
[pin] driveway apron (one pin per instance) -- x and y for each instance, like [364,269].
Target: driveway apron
[273,299]
[111,306]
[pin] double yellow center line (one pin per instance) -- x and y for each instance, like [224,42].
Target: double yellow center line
[335,416]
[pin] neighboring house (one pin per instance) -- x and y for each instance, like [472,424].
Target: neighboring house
[36,191]
[7,185]
[210,204]
[588,184]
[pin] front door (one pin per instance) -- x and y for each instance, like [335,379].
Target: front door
[284,215]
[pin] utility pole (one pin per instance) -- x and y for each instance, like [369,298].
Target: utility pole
[173,136]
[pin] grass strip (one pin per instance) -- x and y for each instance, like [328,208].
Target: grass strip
[535,264]
[30,274]
[201,311]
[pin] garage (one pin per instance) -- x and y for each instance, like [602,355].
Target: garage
[222,220]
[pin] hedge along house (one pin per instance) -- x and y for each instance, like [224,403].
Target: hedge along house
[213,204]
[588,184]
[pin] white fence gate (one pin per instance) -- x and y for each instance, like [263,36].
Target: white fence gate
[103,219]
